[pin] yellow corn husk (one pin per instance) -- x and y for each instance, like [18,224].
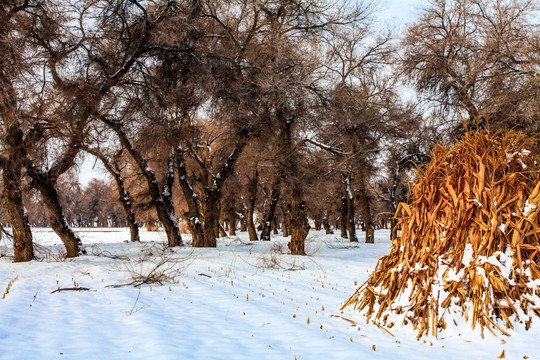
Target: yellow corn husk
[473,207]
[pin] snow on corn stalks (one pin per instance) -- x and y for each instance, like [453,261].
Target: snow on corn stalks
[469,242]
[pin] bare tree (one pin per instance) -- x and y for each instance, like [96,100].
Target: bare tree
[358,103]
[82,70]
[474,57]
[112,165]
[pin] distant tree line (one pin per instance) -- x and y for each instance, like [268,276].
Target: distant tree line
[207,112]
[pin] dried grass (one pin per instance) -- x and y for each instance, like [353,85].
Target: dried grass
[469,241]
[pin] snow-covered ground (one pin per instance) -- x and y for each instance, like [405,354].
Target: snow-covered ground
[241,300]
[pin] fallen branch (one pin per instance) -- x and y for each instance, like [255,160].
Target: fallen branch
[71,289]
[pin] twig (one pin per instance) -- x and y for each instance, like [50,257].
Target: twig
[135,304]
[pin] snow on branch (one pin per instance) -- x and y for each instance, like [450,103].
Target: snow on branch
[332,149]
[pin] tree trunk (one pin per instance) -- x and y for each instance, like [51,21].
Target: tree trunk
[290,175]
[285,230]
[243,224]
[124,197]
[13,157]
[252,197]
[393,228]
[210,222]
[22,235]
[231,218]
[326,224]
[232,228]
[285,214]
[269,213]
[274,226]
[343,210]
[220,229]
[130,220]
[318,223]
[326,227]
[161,200]
[298,220]
[350,212]
[193,214]
[251,226]
[50,197]
[366,210]
[210,198]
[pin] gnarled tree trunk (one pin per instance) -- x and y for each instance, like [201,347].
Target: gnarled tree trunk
[164,204]
[12,162]
[47,189]
[22,234]
[193,215]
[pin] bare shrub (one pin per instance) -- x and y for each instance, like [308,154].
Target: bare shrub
[95,250]
[273,259]
[150,269]
[49,254]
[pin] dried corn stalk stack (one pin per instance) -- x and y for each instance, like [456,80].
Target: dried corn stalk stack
[469,242]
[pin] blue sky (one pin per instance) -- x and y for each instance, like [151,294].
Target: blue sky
[400,11]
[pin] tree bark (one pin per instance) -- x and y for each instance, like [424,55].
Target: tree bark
[274,226]
[285,215]
[243,224]
[326,224]
[366,210]
[211,192]
[193,215]
[165,206]
[252,197]
[350,212]
[269,213]
[22,235]
[343,210]
[231,218]
[393,227]
[289,173]
[47,189]
[12,162]
[221,230]
[232,227]
[298,220]
[326,227]
[318,222]
[210,212]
